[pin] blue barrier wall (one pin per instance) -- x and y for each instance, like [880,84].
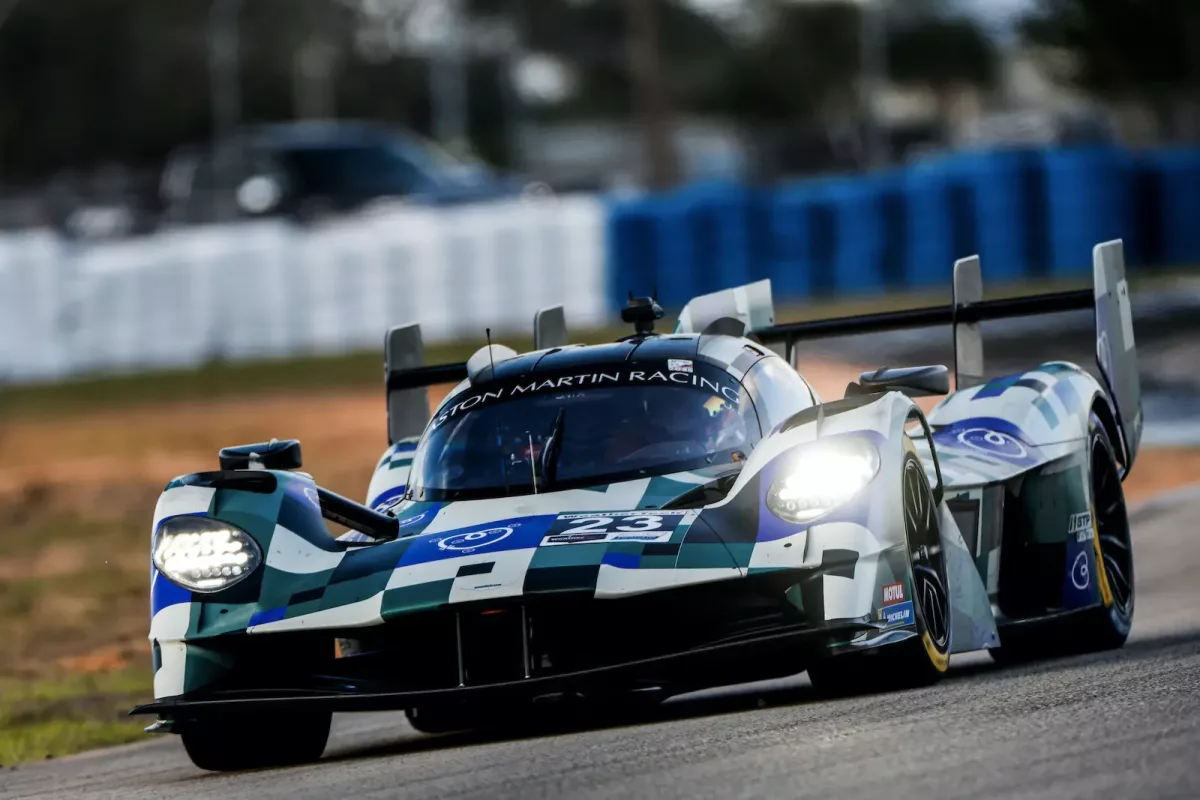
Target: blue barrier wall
[1028,214]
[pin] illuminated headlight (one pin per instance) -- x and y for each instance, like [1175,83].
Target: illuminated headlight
[204,555]
[822,478]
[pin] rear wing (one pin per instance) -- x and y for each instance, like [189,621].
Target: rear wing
[407,378]
[1116,355]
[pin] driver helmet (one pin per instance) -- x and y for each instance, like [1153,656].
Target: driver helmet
[723,425]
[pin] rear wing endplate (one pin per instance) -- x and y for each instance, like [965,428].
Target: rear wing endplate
[407,379]
[750,304]
[968,338]
[1116,354]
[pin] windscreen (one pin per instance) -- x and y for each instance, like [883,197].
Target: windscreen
[352,169]
[566,431]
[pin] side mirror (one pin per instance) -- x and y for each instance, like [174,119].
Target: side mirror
[267,455]
[913,381]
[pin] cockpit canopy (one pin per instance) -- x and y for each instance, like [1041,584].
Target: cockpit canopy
[611,423]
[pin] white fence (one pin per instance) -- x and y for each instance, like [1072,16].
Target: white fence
[269,289]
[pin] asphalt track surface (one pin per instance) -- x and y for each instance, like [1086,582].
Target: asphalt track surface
[1121,724]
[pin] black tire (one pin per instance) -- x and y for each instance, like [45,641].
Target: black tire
[232,744]
[1107,627]
[920,660]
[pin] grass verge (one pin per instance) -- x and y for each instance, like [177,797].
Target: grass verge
[65,714]
[73,608]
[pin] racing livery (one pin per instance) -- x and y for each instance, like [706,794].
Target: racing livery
[612,524]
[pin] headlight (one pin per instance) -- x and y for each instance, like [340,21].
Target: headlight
[823,477]
[204,555]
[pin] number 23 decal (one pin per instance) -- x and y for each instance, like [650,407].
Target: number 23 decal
[630,524]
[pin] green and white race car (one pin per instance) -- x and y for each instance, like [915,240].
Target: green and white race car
[607,525]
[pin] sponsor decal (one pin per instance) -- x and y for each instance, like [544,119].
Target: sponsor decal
[411,520]
[577,538]
[1081,525]
[679,364]
[718,386]
[470,542]
[899,614]
[893,593]
[994,443]
[628,526]
[1081,572]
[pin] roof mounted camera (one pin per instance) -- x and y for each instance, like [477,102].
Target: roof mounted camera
[642,312]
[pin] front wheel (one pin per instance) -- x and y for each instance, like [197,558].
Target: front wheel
[229,744]
[924,658]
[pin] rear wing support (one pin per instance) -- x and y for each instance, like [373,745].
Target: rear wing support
[968,338]
[1116,354]
[407,379]
[549,328]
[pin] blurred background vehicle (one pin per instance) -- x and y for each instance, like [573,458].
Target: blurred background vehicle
[305,170]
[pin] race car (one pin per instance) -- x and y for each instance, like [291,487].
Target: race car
[604,526]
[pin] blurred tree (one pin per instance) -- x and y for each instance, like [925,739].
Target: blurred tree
[591,37]
[654,105]
[947,53]
[805,59]
[942,52]
[127,80]
[1128,49]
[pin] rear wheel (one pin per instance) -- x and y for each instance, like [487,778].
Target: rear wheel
[919,660]
[227,744]
[1106,627]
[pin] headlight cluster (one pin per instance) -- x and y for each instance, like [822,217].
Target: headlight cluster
[823,477]
[204,555]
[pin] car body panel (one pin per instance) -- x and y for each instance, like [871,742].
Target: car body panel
[996,431]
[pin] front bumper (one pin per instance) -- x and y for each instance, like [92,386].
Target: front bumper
[758,627]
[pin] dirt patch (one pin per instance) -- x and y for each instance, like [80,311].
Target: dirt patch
[54,559]
[1159,470]
[106,659]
